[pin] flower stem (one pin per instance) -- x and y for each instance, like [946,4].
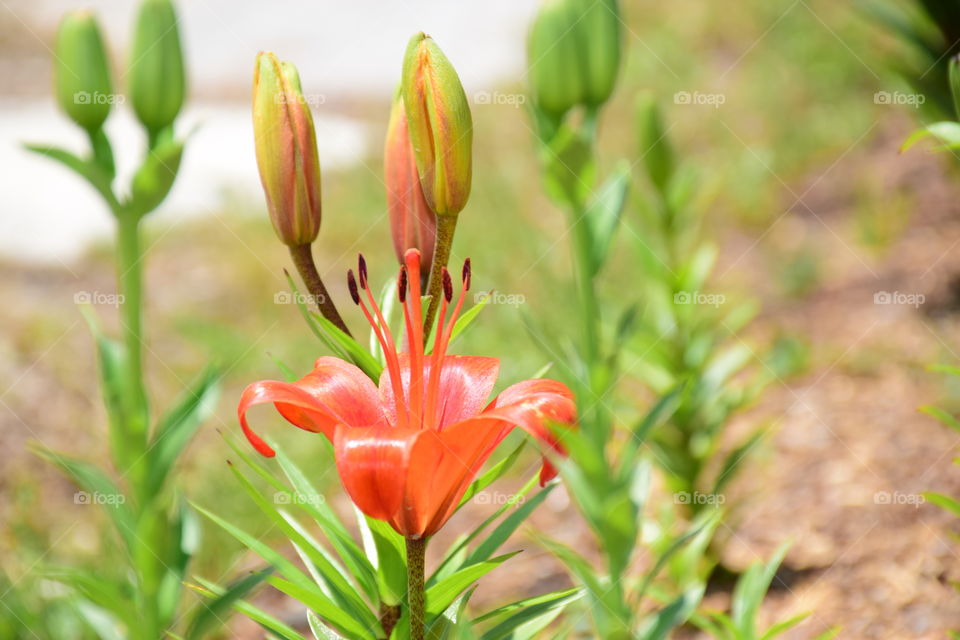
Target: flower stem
[303,259]
[129,274]
[446,226]
[416,559]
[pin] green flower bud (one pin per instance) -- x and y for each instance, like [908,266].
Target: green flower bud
[440,125]
[553,59]
[82,73]
[599,33]
[574,54]
[286,148]
[157,75]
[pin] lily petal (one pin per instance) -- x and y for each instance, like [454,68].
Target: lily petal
[465,386]
[455,455]
[442,465]
[335,392]
[535,405]
[373,463]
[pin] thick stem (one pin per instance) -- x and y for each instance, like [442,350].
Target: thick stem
[446,226]
[129,274]
[416,596]
[303,259]
[583,257]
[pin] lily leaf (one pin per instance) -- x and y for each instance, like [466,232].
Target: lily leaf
[604,213]
[264,619]
[440,595]
[177,428]
[90,171]
[210,616]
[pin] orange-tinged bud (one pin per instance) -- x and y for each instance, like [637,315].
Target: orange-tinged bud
[412,222]
[440,125]
[286,147]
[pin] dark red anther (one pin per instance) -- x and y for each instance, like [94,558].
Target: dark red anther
[362,269]
[466,273]
[402,285]
[447,285]
[352,285]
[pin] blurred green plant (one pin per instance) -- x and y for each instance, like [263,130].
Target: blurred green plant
[748,594]
[688,335]
[928,32]
[574,54]
[141,595]
[945,132]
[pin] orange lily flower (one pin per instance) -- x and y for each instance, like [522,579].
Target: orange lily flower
[408,450]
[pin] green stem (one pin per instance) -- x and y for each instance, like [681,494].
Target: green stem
[302,256]
[130,274]
[582,258]
[416,595]
[446,226]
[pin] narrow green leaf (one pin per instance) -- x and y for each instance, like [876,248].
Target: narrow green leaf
[341,591]
[942,416]
[89,171]
[360,357]
[943,501]
[784,626]
[605,212]
[440,595]
[328,610]
[97,488]
[177,427]
[673,615]
[211,614]
[523,611]
[256,614]
[506,528]
[316,506]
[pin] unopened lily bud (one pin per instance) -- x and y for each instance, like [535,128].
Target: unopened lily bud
[82,72]
[157,75]
[412,223]
[440,125]
[599,30]
[574,54]
[553,57]
[286,147]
